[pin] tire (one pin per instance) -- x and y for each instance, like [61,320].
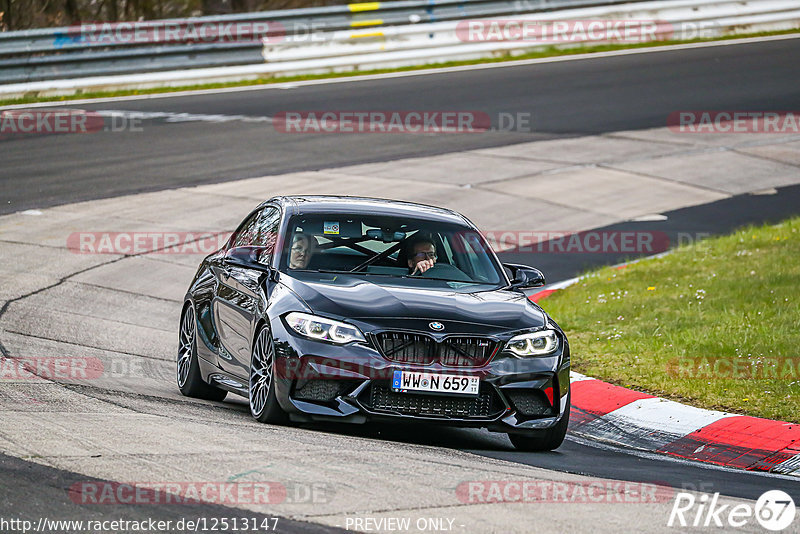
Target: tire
[190,382]
[262,398]
[543,440]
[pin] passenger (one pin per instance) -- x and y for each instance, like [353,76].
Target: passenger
[303,248]
[421,254]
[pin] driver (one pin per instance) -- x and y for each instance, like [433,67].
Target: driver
[303,247]
[421,254]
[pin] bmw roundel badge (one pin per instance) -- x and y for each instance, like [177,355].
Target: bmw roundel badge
[436,325]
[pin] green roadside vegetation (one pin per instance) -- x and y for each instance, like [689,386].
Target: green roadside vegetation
[549,51]
[715,324]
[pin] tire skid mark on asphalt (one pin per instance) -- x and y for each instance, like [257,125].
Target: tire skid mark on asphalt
[766,158]
[125,291]
[68,278]
[44,338]
[61,280]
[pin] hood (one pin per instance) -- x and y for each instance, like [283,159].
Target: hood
[385,306]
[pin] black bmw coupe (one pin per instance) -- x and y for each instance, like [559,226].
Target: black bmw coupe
[323,308]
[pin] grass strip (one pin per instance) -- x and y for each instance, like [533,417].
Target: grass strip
[715,324]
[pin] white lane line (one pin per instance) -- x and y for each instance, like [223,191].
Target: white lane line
[425,72]
[317,126]
[179,117]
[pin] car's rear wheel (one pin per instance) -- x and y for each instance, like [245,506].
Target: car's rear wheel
[190,382]
[543,440]
[262,399]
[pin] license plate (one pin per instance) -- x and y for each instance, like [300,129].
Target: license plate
[404,381]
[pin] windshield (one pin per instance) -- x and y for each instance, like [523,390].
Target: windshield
[389,248]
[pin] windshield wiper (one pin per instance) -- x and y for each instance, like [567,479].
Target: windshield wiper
[327,271]
[331,271]
[441,279]
[408,276]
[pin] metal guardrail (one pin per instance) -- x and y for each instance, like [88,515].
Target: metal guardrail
[392,34]
[67,52]
[329,18]
[668,20]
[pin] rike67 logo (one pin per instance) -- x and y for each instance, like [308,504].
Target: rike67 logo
[774,511]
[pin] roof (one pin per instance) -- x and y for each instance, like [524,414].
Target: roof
[301,204]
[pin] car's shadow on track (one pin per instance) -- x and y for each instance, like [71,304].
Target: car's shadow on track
[420,433]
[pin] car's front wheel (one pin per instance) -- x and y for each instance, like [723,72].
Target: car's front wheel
[543,440]
[263,401]
[190,382]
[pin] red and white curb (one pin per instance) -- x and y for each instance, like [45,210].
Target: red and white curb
[613,414]
[618,415]
[552,288]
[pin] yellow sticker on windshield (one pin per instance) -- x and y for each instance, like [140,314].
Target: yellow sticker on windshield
[330,228]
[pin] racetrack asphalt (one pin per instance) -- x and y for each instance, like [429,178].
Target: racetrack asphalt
[570,98]
[32,492]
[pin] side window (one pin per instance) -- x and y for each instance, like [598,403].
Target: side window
[248,232]
[267,228]
[260,230]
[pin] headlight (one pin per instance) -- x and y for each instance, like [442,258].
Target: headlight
[323,329]
[534,343]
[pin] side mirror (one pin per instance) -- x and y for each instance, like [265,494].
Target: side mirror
[525,277]
[250,257]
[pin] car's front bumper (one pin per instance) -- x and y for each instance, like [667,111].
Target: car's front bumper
[318,381]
